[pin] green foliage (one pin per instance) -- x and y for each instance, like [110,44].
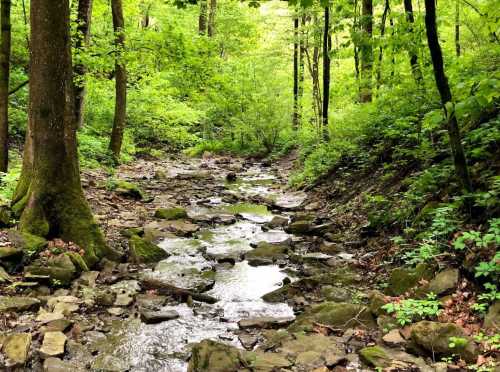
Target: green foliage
[411,310]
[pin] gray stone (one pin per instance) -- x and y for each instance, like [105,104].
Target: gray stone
[53,344]
[18,304]
[16,347]
[444,282]
[265,322]
[152,317]
[492,319]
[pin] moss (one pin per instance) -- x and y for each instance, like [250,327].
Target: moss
[211,356]
[171,213]
[60,269]
[404,279]
[78,261]
[132,231]
[375,356]
[29,243]
[143,251]
[127,189]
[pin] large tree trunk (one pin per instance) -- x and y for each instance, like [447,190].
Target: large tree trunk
[446,98]
[202,18]
[82,40]
[4,83]
[415,66]
[295,119]
[387,9]
[49,192]
[115,144]
[212,12]
[327,42]
[366,51]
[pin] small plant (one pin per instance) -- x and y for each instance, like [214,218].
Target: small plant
[410,310]
[490,343]
[457,342]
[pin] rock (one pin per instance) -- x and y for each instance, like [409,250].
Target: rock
[9,252]
[60,269]
[267,253]
[150,301]
[335,315]
[16,347]
[123,300]
[386,323]
[47,317]
[265,322]
[492,319]
[132,231]
[18,304]
[128,190]
[335,294]
[4,276]
[435,337]
[393,338]
[299,227]
[290,201]
[377,300]
[404,279]
[248,341]
[277,221]
[175,213]
[116,311]
[109,363]
[175,274]
[57,365]
[260,361]
[380,357]
[60,325]
[211,356]
[158,230]
[88,278]
[143,251]
[5,216]
[330,248]
[153,317]
[31,244]
[231,177]
[53,344]
[443,282]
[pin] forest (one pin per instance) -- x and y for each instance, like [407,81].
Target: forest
[224,185]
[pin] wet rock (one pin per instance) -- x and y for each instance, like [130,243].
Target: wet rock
[60,269]
[211,356]
[434,337]
[143,251]
[335,315]
[150,301]
[299,227]
[109,363]
[277,221]
[53,344]
[394,338]
[248,341]
[267,253]
[259,361]
[492,319]
[158,230]
[4,276]
[380,357]
[290,201]
[265,322]
[175,213]
[444,282]
[231,177]
[18,304]
[178,275]
[15,348]
[57,365]
[153,317]
[128,190]
[404,279]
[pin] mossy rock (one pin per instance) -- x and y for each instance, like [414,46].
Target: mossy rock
[127,189]
[5,216]
[375,356]
[60,269]
[267,253]
[404,279]
[143,251]
[260,361]
[444,282]
[132,231]
[299,227]
[377,301]
[211,356]
[492,319]
[78,261]
[392,359]
[175,213]
[336,315]
[30,244]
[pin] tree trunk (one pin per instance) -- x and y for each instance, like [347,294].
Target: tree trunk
[115,144]
[302,47]
[82,40]
[457,27]
[446,98]
[212,12]
[381,50]
[4,83]
[415,66]
[295,73]
[366,51]
[326,74]
[49,192]
[355,45]
[202,19]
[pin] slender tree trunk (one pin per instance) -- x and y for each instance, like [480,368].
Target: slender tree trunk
[82,40]
[446,97]
[366,51]
[4,83]
[296,73]
[212,12]
[457,27]
[326,74]
[393,51]
[49,192]
[115,144]
[380,49]
[302,47]
[202,19]
[415,66]
[355,45]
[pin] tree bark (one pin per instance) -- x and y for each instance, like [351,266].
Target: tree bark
[387,9]
[446,97]
[327,42]
[366,51]
[202,18]
[457,27]
[295,120]
[302,47]
[415,66]
[115,144]
[82,40]
[49,195]
[5,48]
[355,45]
[212,12]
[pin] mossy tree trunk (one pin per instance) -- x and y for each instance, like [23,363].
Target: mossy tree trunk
[366,51]
[446,97]
[4,83]
[212,12]
[202,18]
[115,144]
[49,195]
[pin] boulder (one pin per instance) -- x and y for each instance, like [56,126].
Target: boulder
[492,319]
[265,322]
[404,279]
[18,304]
[5,216]
[23,241]
[16,347]
[153,317]
[211,356]
[260,361]
[158,230]
[53,344]
[444,282]
[143,251]
[128,190]
[299,227]
[57,365]
[267,253]
[381,357]
[434,337]
[277,221]
[60,269]
[175,213]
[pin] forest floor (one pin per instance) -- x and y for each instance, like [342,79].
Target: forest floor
[275,278]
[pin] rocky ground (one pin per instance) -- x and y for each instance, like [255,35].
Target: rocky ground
[223,269]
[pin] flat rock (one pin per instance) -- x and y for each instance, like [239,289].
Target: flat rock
[248,341]
[57,365]
[444,282]
[393,338]
[290,201]
[18,304]
[53,344]
[153,317]
[16,348]
[265,322]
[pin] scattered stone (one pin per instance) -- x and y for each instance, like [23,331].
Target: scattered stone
[267,253]
[128,190]
[231,177]
[444,282]
[47,317]
[265,322]
[53,344]
[158,230]
[298,227]
[492,319]
[60,269]
[277,221]
[25,242]
[403,279]
[109,363]
[290,201]
[393,338]
[123,300]
[4,276]
[175,213]
[377,301]
[248,341]
[153,317]
[57,365]
[380,357]
[150,301]
[330,248]
[116,311]
[59,325]
[211,356]
[260,361]
[143,251]
[88,278]
[15,348]
[18,304]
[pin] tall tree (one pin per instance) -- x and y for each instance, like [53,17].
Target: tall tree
[212,12]
[296,47]
[457,27]
[4,83]
[446,97]
[202,18]
[327,43]
[387,9]
[115,144]
[83,20]
[366,51]
[302,47]
[49,195]
[415,66]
